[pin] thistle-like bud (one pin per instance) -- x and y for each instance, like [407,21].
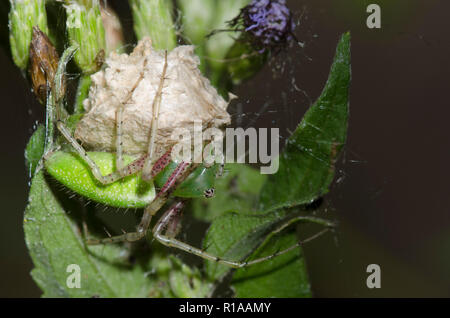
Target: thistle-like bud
[85,29]
[23,16]
[265,26]
[153,18]
[268,24]
[43,64]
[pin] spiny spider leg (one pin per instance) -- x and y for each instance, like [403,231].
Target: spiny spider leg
[173,178]
[119,142]
[170,219]
[170,241]
[161,163]
[154,124]
[174,226]
[54,108]
[119,122]
[141,230]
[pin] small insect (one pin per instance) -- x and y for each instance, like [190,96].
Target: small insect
[154,159]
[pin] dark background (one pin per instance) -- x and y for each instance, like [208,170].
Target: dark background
[389,196]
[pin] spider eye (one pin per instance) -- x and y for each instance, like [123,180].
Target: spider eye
[209,193]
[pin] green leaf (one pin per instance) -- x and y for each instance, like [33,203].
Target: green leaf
[70,170]
[306,171]
[282,276]
[35,149]
[307,164]
[234,236]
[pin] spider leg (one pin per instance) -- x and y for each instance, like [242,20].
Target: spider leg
[141,230]
[161,163]
[119,142]
[119,123]
[178,175]
[146,171]
[327,224]
[174,226]
[170,219]
[168,240]
[54,108]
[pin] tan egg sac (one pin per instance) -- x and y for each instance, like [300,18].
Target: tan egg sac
[186,96]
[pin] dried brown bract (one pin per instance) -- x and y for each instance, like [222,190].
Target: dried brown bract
[43,64]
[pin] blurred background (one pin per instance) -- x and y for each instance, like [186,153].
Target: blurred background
[389,196]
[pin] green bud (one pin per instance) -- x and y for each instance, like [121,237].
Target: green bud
[153,18]
[23,16]
[197,18]
[200,19]
[219,44]
[86,31]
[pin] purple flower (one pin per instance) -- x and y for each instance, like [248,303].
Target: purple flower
[267,23]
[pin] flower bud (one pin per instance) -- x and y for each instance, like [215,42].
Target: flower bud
[197,17]
[219,44]
[153,18]
[23,16]
[267,24]
[200,18]
[85,29]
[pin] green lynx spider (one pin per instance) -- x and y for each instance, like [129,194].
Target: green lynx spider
[162,231]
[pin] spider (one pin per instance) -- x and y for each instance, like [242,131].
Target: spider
[149,163]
